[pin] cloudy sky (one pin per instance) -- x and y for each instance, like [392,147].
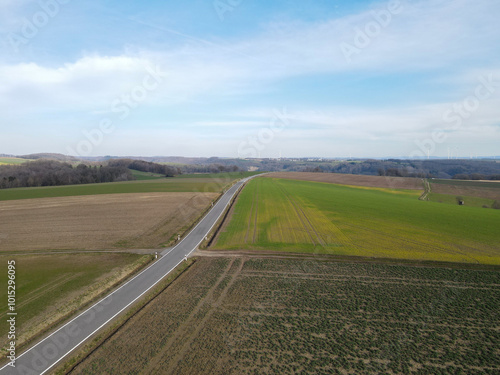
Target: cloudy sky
[231,78]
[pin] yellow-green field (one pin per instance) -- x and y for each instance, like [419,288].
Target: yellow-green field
[312,217]
[12,161]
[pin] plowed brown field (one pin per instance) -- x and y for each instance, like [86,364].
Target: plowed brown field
[140,220]
[283,316]
[469,191]
[356,180]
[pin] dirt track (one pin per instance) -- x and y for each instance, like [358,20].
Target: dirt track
[351,179]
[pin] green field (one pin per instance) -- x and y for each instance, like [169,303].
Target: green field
[12,161]
[141,176]
[452,199]
[187,183]
[311,217]
[50,287]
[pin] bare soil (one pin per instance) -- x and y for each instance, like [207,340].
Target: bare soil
[132,221]
[469,191]
[356,180]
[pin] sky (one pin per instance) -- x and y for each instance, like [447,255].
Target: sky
[250,78]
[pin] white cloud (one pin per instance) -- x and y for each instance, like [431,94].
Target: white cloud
[460,35]
[426,34]
[90,82]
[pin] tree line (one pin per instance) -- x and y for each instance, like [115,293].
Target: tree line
[171,171]
[53,173]
[445,169]
[211,168]
[146,166]
[476,176]
[45,172]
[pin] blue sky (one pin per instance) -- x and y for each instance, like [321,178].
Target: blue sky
[248,78]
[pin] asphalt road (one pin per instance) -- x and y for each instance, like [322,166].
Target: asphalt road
[47,353]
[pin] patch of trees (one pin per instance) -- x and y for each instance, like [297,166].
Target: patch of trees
[145,166]
[53,173]
[211,168]
[403,172]
[439,168]
[312,169]
[462,169]
[474,169]
[476,176]
[51,156]
[452,168]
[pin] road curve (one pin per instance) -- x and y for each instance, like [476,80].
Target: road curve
[47,353]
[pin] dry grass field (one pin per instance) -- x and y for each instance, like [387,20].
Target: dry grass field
[139,220]
[355,180]
[468,191]
[283,316]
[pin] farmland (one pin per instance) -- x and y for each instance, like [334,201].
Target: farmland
[355,180]
[52,287]
[47,231]
[475,193]
[219,176]
[146,175]
[282,316]
[491,184]
[108,221]
[471,201]
[323,218]
[189,183]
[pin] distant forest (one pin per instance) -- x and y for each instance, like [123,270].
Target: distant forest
[53,173]
[446,169]
[145,166]
[210,168]
[438,168]
[43,172]
[171,171]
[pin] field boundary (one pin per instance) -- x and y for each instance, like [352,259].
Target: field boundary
[80,355]
[343,259]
